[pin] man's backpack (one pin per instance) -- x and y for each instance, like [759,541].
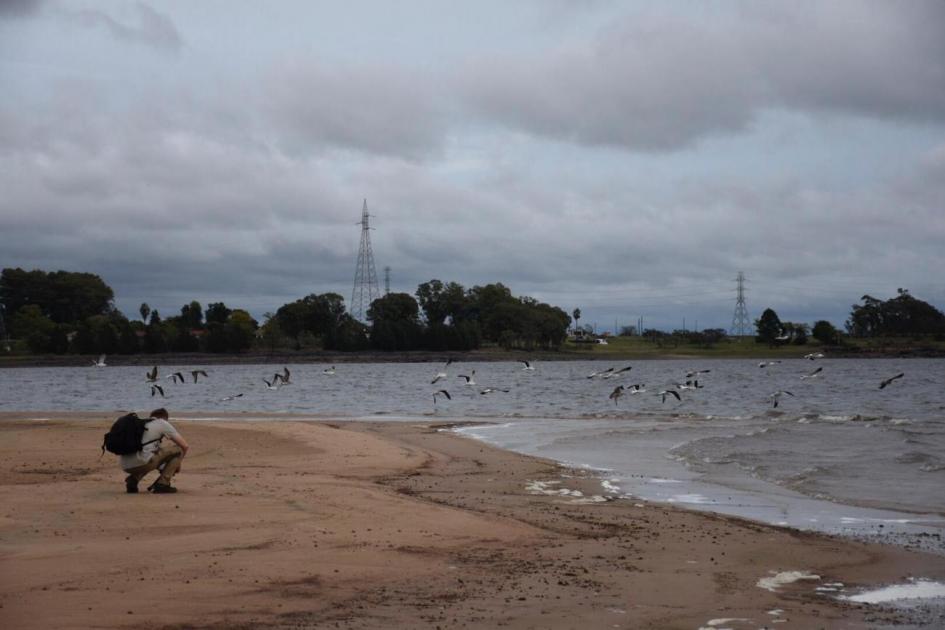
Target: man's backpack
[124,438]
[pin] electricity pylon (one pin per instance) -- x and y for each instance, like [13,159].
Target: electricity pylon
[366,289]
[741,324]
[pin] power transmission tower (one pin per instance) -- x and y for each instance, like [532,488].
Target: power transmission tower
[741,325]
[387,280]
[365,275]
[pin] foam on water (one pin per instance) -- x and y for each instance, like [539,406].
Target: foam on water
[776,581]
[917,589]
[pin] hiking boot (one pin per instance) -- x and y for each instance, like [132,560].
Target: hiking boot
[131,484]
[162,488]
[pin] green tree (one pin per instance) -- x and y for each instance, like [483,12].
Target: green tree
[825,332]
[145,310]
[270,332]
[65,297]
[240,329]
[768,327]
[576,314]
[217,312]
[31,324]
[797,333]
[191,315]
[395,322]
[441,301]
[292,319]
[903,315]
[350,335]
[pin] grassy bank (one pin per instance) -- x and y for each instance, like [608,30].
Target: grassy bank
[617,348]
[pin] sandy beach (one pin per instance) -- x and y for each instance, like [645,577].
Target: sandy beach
[310,524]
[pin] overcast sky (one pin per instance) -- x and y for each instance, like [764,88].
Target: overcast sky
[625,158]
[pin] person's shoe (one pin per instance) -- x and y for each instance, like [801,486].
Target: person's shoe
[161,488]
[131,484]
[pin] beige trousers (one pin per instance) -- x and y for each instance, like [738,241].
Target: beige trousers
[167,459]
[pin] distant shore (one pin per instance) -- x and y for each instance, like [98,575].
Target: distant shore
[487,355]
[374,525]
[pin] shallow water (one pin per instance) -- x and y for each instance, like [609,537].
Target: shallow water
[840,455]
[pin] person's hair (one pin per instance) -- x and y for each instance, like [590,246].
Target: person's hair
[160,413]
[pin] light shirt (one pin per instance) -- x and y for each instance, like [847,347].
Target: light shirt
[156,429]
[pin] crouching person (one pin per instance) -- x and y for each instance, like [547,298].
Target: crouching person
[155,454]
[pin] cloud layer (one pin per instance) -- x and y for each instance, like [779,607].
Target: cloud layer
[631,169]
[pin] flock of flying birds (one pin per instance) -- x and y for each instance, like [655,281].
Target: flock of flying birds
[691,382]
[281,379]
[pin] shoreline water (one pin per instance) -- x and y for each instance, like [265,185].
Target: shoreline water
[490,355]
[304,524]
[837,444]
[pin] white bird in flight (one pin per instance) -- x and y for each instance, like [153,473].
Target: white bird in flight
[890,380]
[470,379]
[600,373]
[100,362]
[175,377]
[442,373]
[813,374]
[616,372]
[616,394]
[669,392]
[776,397]
[527,365]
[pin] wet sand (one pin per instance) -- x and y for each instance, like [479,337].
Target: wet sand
[311,524]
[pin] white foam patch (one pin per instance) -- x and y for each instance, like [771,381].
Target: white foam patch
[850,520]
[722,624]
[542,487]
[591,499]
[662,480]
[609,486]
[918,589]
[776,581]
[690,498]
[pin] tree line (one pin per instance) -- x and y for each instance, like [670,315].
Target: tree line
[901,316]
[64,312]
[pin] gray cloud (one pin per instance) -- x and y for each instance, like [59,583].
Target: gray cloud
[151,28]
[663,82]
[253,201]
[19,8]
[386,110]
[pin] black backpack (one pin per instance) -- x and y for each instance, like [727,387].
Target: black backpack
[124,438]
